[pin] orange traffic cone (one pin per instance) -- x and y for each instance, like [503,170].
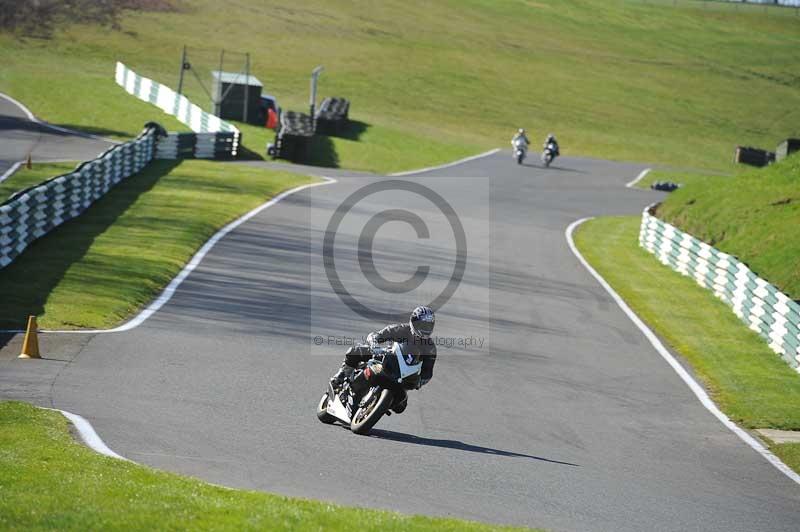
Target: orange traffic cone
[30,345]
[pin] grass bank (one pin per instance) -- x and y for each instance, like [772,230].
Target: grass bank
[754,216]
[434,81]
[24,177]
[50,482]
[749,382]
[98,269]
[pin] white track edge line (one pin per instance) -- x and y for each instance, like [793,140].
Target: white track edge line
[33,118]
[638,177]
[679,369]
[169,291]
[8,173]
[446,165]
[89,435]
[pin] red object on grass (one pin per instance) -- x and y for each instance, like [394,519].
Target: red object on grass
[272,119]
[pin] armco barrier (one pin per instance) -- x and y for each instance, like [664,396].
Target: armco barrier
[33,212]
[760,305]
[213,138]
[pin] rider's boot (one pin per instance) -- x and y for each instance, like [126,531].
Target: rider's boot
[345,372]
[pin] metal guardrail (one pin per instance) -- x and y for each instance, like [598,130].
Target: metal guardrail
[35,211]
[213,138]
[760,305]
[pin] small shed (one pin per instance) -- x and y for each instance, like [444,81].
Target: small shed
[231,90]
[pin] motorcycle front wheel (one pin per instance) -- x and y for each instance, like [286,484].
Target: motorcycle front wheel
[369,414]
[322,410]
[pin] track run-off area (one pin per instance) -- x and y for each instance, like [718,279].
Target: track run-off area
[567,419]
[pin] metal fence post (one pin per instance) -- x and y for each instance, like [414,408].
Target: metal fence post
[246,84]
[183,67]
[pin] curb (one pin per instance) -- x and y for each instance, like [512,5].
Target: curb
[693,385]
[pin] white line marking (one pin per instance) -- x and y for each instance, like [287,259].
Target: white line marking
[20,105]
[33,118]
[89,435]
[8,173]
[446,165]
[169,291]
[682,373]
[639,177]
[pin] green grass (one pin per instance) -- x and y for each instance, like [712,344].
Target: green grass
[613,78]
[98,269]
[753,216]
[24,177]
[749,382]
[49,482]
[789,453]
[683,178]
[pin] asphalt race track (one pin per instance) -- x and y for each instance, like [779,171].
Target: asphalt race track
[20,136]
[569,419]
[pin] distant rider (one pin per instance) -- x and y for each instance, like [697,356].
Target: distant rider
[520,135]
[414,338]
[552,138]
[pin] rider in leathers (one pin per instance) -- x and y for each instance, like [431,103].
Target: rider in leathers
[552,138]
[520,135]
[414,338]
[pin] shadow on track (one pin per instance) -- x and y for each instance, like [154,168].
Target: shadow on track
[8,123]
[557,168]
[458,445]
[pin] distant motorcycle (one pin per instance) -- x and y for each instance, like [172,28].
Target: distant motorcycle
[549,154]
[377,388]
[520,150]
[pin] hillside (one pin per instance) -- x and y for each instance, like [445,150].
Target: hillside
[754,216]
[433,81]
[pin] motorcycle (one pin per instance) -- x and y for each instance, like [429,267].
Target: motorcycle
[377,387]
[549,154]
[520,150]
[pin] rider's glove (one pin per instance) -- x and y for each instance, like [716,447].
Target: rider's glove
[371,340]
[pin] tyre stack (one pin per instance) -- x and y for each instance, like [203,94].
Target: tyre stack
[753,156]
[332,116]
[293,138]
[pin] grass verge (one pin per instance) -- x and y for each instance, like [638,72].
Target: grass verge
[100,268]
[612,78]
[749,382]
[49,482]
[753,216]
[25,177]
[683,178]
[789,453]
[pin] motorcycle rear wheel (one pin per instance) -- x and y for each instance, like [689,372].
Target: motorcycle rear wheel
[322,410]
[366,417]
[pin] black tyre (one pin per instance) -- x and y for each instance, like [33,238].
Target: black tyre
[520,157]
[322,412]
[366,416]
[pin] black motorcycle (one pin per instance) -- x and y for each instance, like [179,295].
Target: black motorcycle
[377,387]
